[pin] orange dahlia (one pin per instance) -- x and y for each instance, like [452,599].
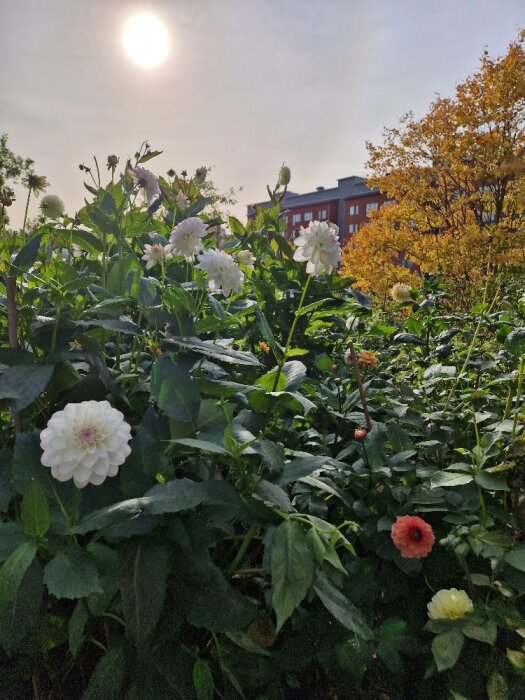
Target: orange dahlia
[368,359]
[412,536]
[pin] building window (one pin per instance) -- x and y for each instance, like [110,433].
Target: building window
[308,216]
[322,214]
[353,228]
[296,219]
[354,210]
[373,206]
[389,202]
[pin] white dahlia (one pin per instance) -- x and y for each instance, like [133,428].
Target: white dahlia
[244,257]
[156,253]
[86,442]
[52,206]
[147,181]
[182,200]
[318,246]
[223,271]
[186,237]
[449,604]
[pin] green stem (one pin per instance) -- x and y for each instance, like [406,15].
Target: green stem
[290,334]
[518,394]
[248,537]
[26,210]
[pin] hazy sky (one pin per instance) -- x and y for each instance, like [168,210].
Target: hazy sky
[248,84]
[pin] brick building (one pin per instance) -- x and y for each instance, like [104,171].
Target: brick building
[348,205]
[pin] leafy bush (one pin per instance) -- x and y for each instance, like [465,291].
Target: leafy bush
[245,548]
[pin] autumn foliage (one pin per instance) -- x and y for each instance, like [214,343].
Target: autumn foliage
[456,179]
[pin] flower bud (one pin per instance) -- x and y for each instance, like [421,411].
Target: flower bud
[338,381]
[200,176]
[171,172]
[112,162]
[284,175]
[360,433]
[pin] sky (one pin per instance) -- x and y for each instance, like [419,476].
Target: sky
[247,84]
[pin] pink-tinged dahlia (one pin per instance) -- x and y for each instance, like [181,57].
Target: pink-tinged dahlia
[86,442]
[318,246]
[412,536]
[156,253]
[244,257]
[223,271]
[186,237]
[147,181]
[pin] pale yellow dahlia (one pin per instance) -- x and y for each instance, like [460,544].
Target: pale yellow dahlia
[450,604]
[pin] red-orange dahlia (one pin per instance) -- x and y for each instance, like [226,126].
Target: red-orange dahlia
[412,536]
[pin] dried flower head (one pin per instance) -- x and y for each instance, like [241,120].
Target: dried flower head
[368,359]
[200,176]
[182,200]
[223,271]
[284,175]
[450,604]
[113,161]
[52,206]
[186,237]
[245,258]
[86,442]
[36,183]
[318,246]
[400,292]
[412,536]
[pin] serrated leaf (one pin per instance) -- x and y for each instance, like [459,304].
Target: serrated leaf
[175,391]
[108,676]
[13,570]
[516,557]
[26,256]
[77,623]
[449,479]
[203,680]
[24,383]
[292,567]
[215,351]
[21,614]
[34,513]
[72,573]
[497,687]
[341,608]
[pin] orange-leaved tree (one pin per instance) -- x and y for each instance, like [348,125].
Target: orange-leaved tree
[456,181]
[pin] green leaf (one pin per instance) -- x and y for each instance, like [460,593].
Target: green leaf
[497,687]
[491,483]
[175,391]
[293,569]
[12,536]
[486,632]
[215,351]
[13,570]
[108,676]
[408,338]
[341,608]
[35,511]
[174,496]
[311,307]
[111,515]
[77,623]
[112,324]
[375,443]
[515,342]
[272,495]
[446,648]
[27,256]
[24,383]
[203,445]
[449,479]
[143,574]
[72,573]
[21,614]
[266,332]
[516,557]
[203,680]
[86,240]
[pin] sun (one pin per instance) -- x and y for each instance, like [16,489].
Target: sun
[145,40]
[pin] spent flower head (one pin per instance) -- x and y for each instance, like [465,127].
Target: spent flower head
[284,175]
[400,292]
[52,206]
[245,258]
[200,176]
[186,237]
[146,181]
[318,246]
[181,200]
[224,273]
[36,183]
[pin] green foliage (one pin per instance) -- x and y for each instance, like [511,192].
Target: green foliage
[244,548]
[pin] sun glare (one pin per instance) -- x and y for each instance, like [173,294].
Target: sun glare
[145,40]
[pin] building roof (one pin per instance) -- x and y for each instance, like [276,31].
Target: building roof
[348,187]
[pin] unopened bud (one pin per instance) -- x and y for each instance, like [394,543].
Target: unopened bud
[334,368]
[112,162]
[360,433]
[171,172]
[200,176]
[338,381]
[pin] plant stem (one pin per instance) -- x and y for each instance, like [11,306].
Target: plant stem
[12,323]
[290,334]
[248,537]
[521,372]
[360,386]
[26,210]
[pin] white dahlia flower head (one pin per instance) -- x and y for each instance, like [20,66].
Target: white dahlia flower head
[182,200]
[223,271]
[186,237]
[155,253]
[449,604]
[246,258]
[86,442]
[52,206]
[318,246]
[147,181]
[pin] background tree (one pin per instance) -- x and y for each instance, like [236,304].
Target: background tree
[457,181]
